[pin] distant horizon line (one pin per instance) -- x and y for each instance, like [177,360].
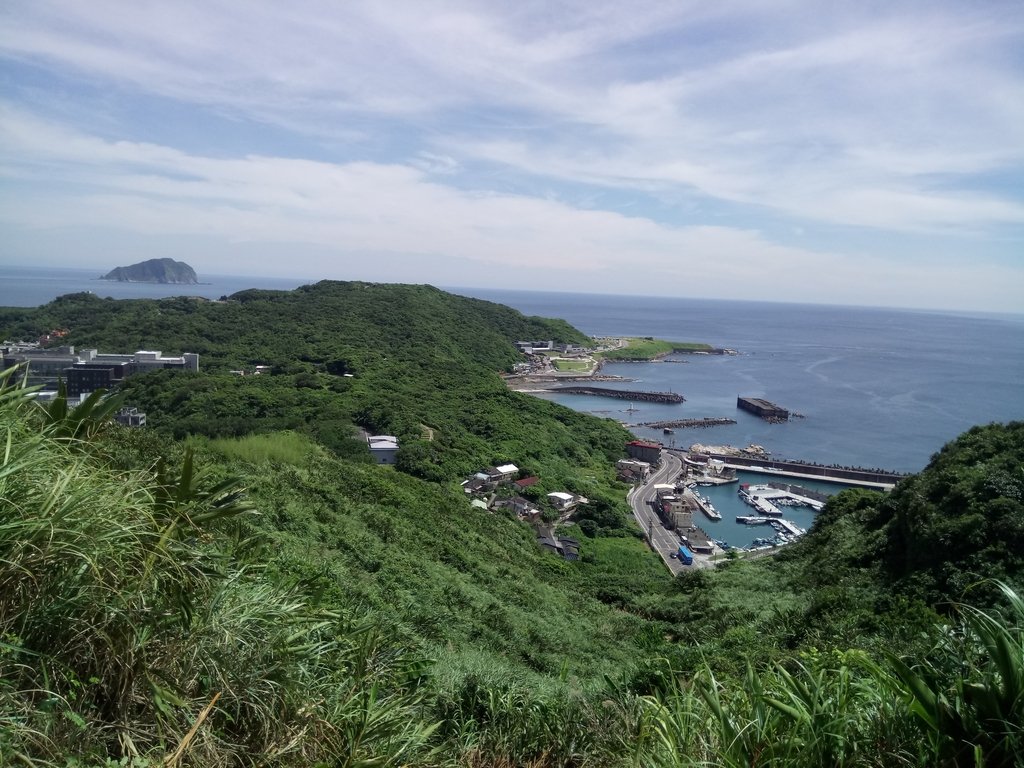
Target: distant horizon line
[297,282]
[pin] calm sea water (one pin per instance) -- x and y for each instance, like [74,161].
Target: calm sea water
[30,287]
[877,387]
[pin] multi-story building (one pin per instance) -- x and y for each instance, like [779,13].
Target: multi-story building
[641,450]
[89,369]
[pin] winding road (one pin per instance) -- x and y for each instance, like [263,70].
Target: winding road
[662,541]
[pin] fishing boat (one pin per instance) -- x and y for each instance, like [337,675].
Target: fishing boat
[752,520]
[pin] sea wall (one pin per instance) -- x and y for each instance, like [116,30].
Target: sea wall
[880,476]
[623,394]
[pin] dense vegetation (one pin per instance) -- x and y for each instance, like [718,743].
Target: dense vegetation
[420,365]
[343,613]
[643,348]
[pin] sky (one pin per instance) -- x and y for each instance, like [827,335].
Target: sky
[867,153]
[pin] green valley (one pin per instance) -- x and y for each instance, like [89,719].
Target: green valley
[239,583]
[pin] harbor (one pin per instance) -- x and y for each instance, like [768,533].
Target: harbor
[766,498]
[742,526]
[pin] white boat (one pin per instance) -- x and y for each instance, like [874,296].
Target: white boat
[710,511]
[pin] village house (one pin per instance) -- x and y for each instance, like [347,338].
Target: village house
[131,417]
[562,546]
[628,476]
[503,473]
[526,482]
[522,507]
[674,508]
[637,469]
[478,483]
[563,501]
[641,450]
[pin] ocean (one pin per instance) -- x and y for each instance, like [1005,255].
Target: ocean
[31,286]
[879,388]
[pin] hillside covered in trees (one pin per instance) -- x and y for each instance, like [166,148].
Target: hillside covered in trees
[238,584]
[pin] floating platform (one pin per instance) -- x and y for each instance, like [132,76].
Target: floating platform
[752,496]
[764,409]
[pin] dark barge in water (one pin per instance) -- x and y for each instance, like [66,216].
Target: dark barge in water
[623,394]
[770,412]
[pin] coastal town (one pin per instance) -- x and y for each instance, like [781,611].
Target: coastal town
[667,502]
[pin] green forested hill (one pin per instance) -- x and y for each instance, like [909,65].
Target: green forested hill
[359,615]
[422,363]
[356,325]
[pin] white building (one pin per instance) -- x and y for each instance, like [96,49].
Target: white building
[384,448]
[562,500]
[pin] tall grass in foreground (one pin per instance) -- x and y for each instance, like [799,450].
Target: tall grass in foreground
[961,706]
[133,628]
[127,630]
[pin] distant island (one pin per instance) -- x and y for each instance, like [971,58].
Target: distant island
[155,271]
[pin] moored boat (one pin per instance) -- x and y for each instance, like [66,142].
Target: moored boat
[752,520]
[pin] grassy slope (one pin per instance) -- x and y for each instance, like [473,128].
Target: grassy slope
[450,576]
[473,589]
[166,618]
[650,349]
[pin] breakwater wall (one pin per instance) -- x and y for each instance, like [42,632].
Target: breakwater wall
[687,423]
[702,351]
[623,394]
[854,474]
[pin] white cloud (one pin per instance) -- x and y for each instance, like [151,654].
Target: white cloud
[891,119]
[397,213]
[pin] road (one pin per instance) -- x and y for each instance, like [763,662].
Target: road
[663,542]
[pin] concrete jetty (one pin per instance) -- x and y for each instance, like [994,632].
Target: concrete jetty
[705,506]
[770,495]
[788,526]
